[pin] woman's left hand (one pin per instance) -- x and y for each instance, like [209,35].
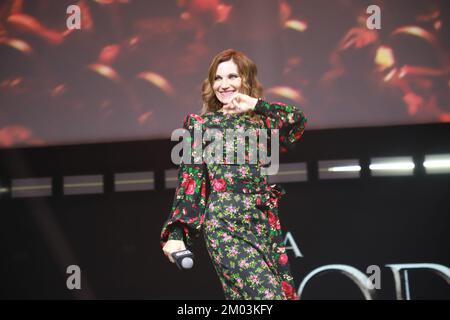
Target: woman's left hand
[240,103]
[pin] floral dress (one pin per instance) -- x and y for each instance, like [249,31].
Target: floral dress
[236,207]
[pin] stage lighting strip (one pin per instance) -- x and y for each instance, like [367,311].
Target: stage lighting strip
[339,169]
[134,181]
[328,169]
[392,166]
[290,172]
[435,164]
[171,178]
[31,187]
[345,169]
[83,184]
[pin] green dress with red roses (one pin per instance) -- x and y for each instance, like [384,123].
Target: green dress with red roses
[235,206]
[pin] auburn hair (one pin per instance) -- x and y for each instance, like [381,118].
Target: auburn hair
[247,71]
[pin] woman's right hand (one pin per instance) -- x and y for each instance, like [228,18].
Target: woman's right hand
[172,246]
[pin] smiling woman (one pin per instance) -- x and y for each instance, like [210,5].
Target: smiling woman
[230,72]
[227,81]
[239,215]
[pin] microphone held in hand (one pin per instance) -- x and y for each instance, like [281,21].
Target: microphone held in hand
[183,259]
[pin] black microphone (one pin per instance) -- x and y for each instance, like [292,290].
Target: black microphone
[183,259]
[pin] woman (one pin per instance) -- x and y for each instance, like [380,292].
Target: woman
[240,215]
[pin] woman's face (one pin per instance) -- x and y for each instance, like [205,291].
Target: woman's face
[227,81]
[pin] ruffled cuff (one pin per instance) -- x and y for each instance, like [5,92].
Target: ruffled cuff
[260,107]
[176,233]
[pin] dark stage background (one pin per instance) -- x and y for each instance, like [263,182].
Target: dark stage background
[114,236]
[102,102]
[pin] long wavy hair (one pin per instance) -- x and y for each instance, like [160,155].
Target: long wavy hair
[247,71]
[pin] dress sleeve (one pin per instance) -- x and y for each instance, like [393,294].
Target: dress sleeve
[187,213]
[287,118]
